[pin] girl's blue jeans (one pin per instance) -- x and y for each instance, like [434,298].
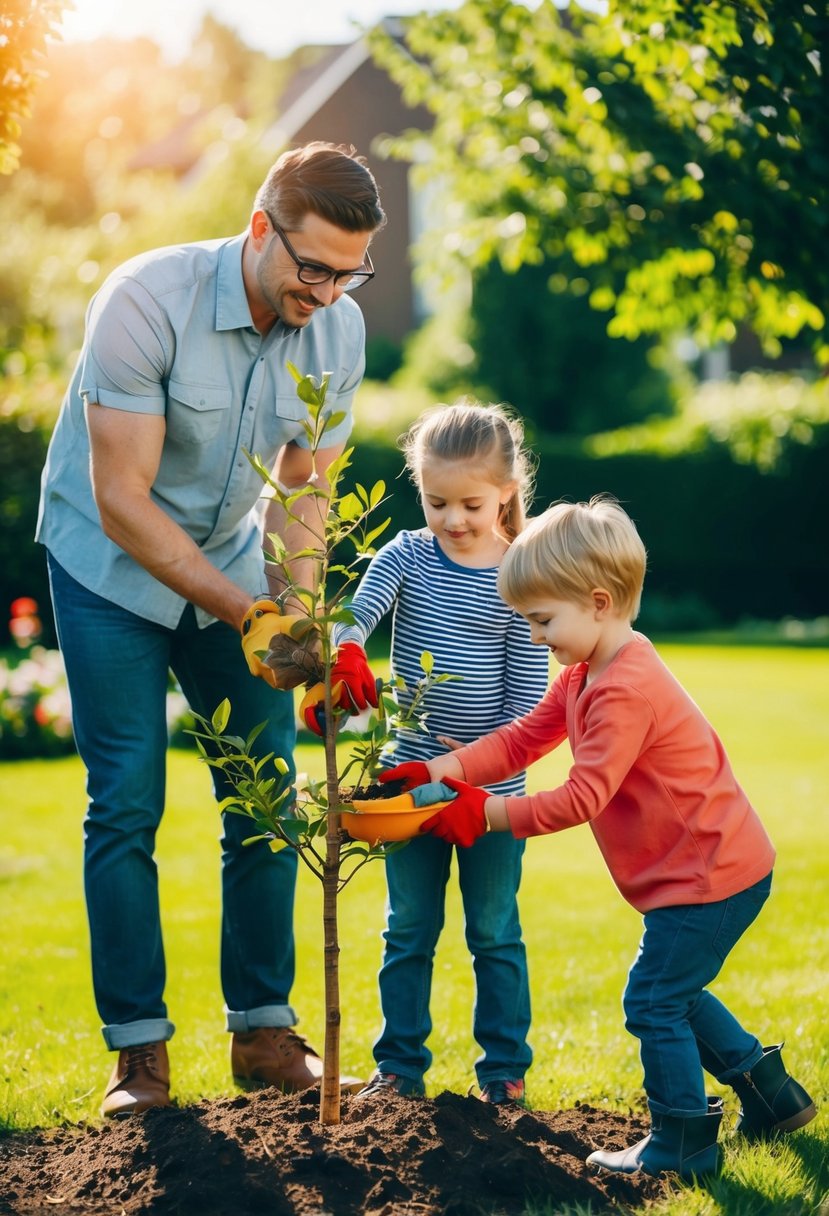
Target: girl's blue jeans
[489,874]
[668,1008]
[117,666]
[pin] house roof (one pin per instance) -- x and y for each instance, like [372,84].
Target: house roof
[309,89]
[178,149]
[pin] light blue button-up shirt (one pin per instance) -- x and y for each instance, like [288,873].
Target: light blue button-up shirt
[170,333]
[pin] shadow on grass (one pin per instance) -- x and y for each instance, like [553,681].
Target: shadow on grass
[798,1186]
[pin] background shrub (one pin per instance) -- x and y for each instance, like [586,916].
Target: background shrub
[727,494]
[728,498]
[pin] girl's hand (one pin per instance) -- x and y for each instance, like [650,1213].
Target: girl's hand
[452,744]
[358,687]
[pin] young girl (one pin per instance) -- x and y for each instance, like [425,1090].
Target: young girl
[679,835]
[474,478]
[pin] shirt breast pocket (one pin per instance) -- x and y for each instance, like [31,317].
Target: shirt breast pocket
[278,423]
[196,412]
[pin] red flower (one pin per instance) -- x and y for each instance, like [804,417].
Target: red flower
[24,606]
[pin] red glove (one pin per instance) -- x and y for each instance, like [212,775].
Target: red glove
[463,820]
[312,709]
[351,670]
[353,688]
[412,773]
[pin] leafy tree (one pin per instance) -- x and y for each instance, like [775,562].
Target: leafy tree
[79,139]
[24,29]
[547,353]
[78,205]
[670,157]
[85,146]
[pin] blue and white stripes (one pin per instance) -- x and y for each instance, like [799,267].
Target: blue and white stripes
[456,614]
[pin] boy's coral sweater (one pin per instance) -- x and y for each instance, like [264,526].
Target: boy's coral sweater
[650,776]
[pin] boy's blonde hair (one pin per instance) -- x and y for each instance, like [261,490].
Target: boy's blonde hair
[487,436]
[573,548]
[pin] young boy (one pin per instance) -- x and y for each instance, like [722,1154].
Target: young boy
[677,832]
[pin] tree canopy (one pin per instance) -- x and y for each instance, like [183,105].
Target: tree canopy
[24,28]
[671,159]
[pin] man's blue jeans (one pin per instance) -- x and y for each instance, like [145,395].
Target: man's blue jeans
[668,1009]
[489,874]
[117,666]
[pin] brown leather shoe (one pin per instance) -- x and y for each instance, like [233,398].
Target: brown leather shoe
[277,1055]
[140,1079]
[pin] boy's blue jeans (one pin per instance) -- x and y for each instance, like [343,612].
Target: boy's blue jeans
[668,1008]
[489,874]
[117,666]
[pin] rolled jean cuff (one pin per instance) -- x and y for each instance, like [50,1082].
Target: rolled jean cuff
[134,1034]
[725,1078]
[675,1112]
[241,1020]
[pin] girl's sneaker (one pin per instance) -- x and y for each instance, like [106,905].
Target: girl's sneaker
[385,1082]
[504,1093]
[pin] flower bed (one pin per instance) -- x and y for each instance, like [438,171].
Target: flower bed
[35,710]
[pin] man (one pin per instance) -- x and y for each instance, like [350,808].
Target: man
[151,519]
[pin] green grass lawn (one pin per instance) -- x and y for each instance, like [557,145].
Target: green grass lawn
[771,707]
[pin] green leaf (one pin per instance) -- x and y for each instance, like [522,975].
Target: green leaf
[427,662]
[357,849]
[277,844]
[261,469]
[302,492]
[374,533]
[294,829]
[221,716]
[229,804]
[349,507]
[338,466]
[254,734]
[308,391]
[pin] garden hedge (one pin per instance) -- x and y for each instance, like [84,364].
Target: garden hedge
[726,542]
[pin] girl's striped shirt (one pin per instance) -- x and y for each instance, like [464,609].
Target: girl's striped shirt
[456,614]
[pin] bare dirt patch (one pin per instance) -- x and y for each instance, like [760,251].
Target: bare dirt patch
[265,1154]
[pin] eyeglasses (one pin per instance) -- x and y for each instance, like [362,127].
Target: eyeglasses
[313,273]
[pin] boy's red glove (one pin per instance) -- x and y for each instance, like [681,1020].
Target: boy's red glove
[352,672]
[463,820]
[412,774]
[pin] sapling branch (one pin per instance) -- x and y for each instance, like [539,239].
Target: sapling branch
[298,818]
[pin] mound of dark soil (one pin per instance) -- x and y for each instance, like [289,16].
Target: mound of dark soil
[267,1155]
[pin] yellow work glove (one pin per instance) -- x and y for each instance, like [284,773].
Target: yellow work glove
[260,625]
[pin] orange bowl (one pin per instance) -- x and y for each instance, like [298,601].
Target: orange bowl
[381,820]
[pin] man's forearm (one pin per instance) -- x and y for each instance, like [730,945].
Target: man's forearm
[158,544]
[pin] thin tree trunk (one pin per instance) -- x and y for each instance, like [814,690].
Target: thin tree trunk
[330,1094]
